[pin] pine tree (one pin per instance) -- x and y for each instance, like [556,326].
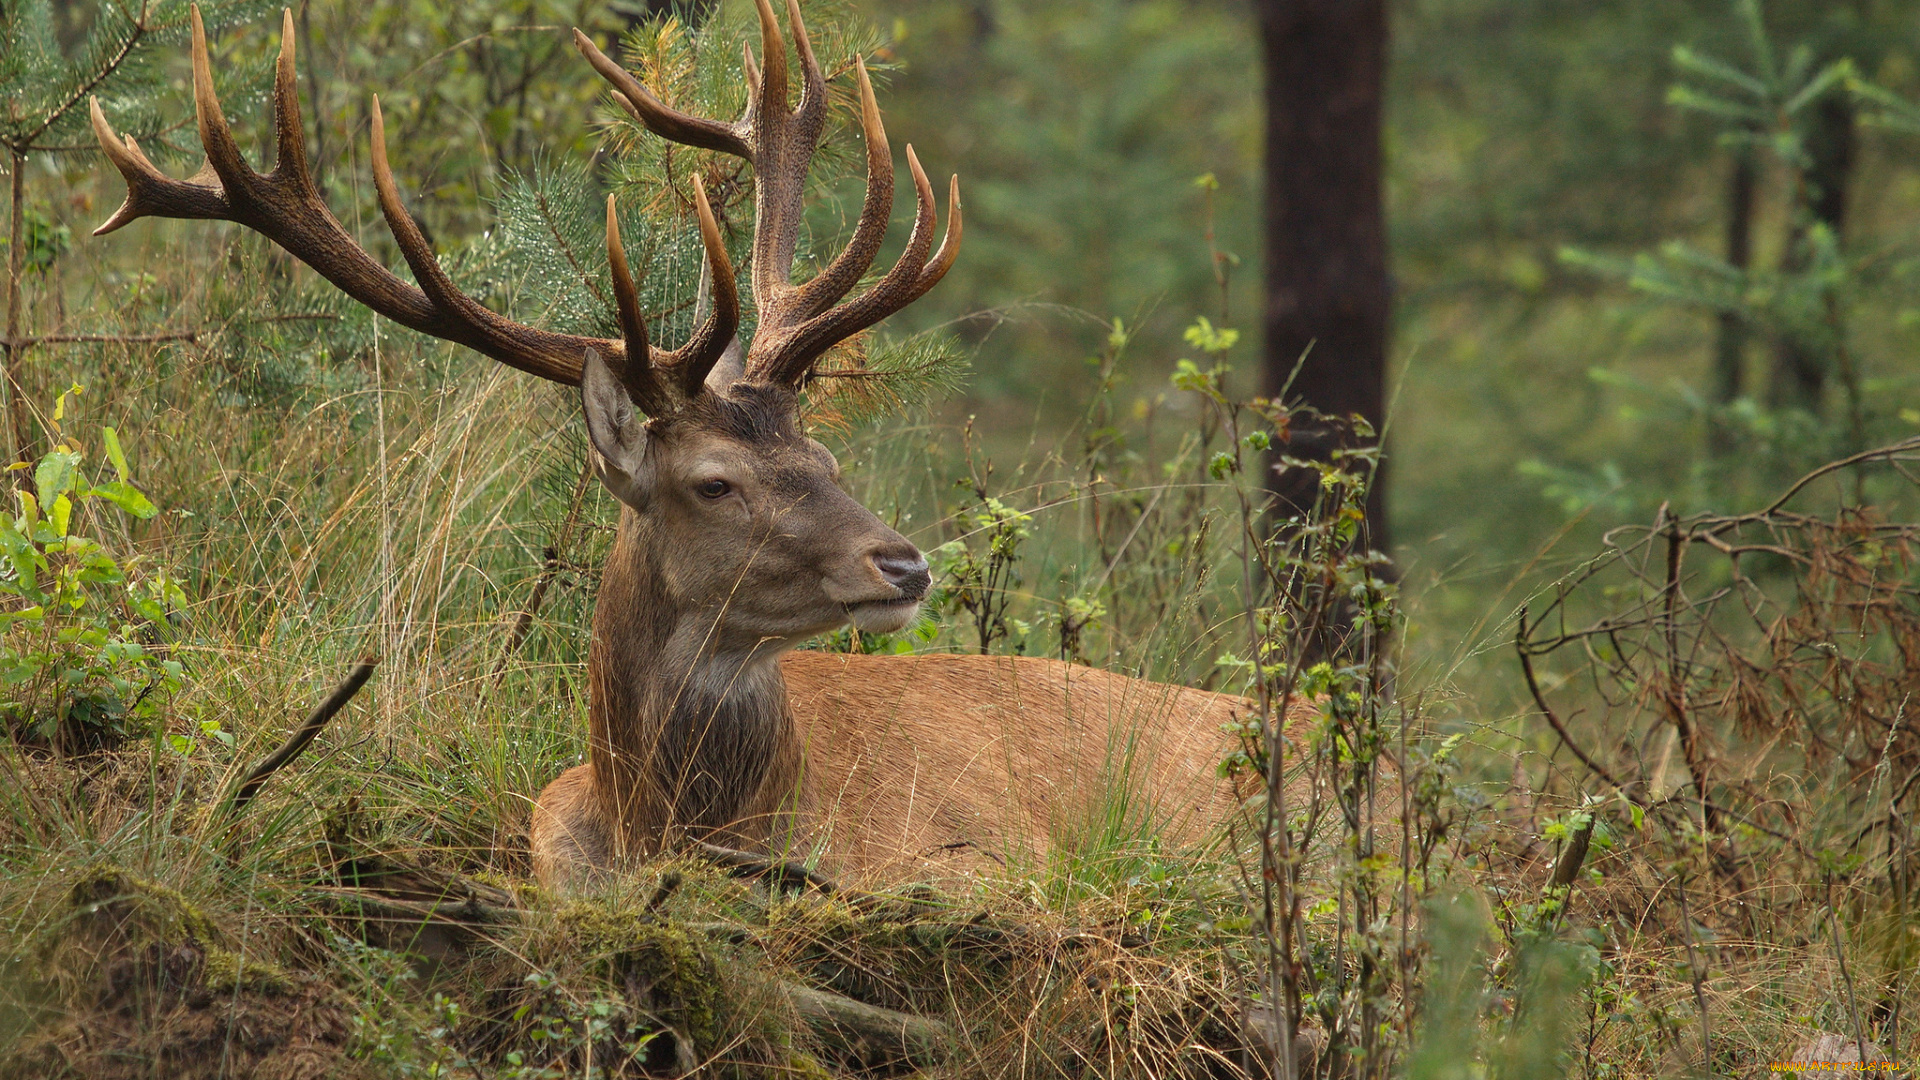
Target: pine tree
[121,59]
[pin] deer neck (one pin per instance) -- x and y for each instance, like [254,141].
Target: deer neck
[689,733]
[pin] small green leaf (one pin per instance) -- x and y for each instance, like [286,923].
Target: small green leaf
[126,497]
[114,454]
[60,514]
[55,474]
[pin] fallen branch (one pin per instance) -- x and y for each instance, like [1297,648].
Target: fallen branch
[868,1032]
[302,735]
[747,864]
[468,911]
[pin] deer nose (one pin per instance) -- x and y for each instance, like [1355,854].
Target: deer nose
[908,573]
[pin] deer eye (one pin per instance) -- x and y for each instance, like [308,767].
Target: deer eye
[714,489]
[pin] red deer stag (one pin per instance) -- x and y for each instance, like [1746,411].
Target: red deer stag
[736,542]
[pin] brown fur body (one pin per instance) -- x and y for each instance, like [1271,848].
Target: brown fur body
[910,765]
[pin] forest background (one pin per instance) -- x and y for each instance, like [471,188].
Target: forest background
[1648,261]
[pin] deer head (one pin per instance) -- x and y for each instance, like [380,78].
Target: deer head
[727,500]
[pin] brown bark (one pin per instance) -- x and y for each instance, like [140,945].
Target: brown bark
[1327,295]
[1730,343]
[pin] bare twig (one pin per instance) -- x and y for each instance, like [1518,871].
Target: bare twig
[302,735]
[16,397]
[1694,973]
[109,339]
[1553,718]
[555,562]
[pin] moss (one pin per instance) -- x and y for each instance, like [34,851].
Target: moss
[134,911]
[639,953]
[227,972]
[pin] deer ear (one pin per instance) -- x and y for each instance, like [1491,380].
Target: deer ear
[618,434]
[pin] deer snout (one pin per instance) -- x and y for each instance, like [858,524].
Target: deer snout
[904,570]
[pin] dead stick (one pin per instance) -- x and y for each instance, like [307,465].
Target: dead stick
[1840,954]
[1573,857]
[303,734]
[752,865]
[1694,973]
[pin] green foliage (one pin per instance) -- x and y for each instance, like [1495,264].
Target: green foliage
[1812,299]
[1508,1020]
[84,639]
[44,240]
[121,57]
[976,573]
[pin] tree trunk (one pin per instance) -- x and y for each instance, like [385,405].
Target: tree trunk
[1799,368]
[1730,344]
[1327,295]
[16,345]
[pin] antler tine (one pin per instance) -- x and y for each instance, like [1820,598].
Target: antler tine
[149,192]
[637,373]
[788,357]
[813,84]
[285,207]
[942,260]
[773,76]
[433,280]
[668,123]
[223,153]
[687,366]
[783,142]
[752,71]
[290,157]
[832,283]
[691,362]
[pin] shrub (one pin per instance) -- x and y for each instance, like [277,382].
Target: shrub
[83,635]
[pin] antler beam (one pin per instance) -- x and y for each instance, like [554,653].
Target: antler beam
[799,323]
[285,206]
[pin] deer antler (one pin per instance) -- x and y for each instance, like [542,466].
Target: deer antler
[285,207]
[653,386]
[799,323]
